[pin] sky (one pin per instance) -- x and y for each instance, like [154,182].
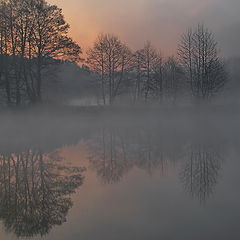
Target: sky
[158,21]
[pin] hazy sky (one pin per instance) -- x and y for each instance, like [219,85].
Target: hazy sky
[160,21]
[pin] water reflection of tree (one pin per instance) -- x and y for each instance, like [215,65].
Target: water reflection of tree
[148,154]
[200,172]
[115,151]
[109,156]
[35,191]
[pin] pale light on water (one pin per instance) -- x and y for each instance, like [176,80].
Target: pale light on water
[173,178]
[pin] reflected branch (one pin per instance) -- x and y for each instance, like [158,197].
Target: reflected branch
[200,173]
[35,191]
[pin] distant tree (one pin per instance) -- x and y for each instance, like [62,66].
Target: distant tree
[199,55]
[173,76]
[137,69]
[149,58]
[159,76]
[110,58]
[97,62]
[148,69]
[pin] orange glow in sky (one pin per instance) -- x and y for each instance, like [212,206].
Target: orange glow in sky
[158,21]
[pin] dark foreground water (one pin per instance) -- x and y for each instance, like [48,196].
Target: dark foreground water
[115,178]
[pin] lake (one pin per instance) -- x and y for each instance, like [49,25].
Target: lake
[171,174]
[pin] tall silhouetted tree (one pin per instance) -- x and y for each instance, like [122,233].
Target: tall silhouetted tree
[147,67]
[50,40]
[148,58]
[110,58]
[33,35]
[198,52]
[173,76]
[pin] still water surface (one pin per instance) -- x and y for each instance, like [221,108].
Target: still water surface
[123,182]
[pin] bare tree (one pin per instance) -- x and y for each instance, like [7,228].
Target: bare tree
[50,39]
[147,67]
[198,53]
[137,69]
[149,58]
[33,34]
[97,62]
[158,77]
[110,58]
[173,79]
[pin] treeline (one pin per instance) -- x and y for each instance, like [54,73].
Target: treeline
[197,70]
[33,35]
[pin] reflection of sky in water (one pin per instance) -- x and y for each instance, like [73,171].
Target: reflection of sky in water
[148,207]
[142,207]
[138,183]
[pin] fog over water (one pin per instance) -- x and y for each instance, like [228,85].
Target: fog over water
[119,120]
[120,174]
